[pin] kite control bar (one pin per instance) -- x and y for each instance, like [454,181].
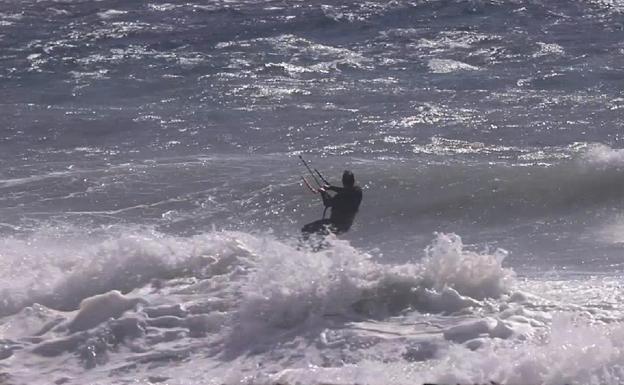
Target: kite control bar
[312,189]
[314,173]
[320,186]
[311,172]
[321,176]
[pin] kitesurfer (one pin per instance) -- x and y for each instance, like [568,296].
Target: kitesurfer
[344,205]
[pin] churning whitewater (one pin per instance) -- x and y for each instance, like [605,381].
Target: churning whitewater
[151,195]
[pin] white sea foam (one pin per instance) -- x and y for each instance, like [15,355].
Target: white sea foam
[59,273]
[572,352]
[94,310]
[290,287]
[478,275]
[111,13]
[455,40]
[612,231]
[445,66]
[549,49]
[286,284]
[361,11]
[305,55]
[234,292]
[601,155]
[439,145]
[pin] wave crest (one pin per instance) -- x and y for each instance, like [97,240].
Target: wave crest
[477,275]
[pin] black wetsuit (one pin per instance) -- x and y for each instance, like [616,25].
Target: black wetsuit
[344,205]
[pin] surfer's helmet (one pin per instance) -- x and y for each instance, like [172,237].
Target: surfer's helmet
[348,180]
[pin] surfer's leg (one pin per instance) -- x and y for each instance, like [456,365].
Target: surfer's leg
[316,226]
[313,235]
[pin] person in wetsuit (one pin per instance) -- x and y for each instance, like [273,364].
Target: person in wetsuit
[344,205]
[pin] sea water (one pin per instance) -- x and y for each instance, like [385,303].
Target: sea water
[151,197]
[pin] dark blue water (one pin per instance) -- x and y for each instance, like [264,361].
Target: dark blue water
[151,148]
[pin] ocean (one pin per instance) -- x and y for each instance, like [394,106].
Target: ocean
[151,194]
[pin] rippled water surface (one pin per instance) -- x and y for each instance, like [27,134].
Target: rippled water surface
[151,194]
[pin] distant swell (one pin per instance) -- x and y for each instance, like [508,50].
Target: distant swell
[493,191]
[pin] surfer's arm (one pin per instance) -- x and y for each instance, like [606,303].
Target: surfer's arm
[334,188]
[327,200]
